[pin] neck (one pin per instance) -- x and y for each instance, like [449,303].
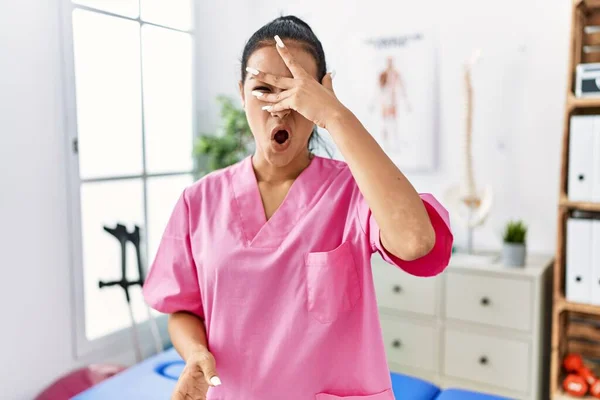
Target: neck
[273,174]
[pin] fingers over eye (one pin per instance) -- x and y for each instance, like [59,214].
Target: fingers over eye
[281,82]
[272,97]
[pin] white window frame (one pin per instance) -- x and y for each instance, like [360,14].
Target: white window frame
[118,342]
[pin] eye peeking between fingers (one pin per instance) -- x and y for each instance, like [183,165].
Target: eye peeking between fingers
[260,91]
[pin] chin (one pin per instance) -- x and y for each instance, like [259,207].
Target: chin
[281,158]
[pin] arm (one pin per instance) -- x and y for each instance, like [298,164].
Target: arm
[187,333]
[406,230]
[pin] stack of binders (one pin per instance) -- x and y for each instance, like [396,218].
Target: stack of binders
[583,228]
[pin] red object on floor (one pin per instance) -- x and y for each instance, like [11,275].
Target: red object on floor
[573,363]
[575,385]
[79,380]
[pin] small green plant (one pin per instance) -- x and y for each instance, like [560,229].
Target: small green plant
[515,232]
[228,145]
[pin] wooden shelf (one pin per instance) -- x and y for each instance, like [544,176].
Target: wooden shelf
[580,205]
[563,305]
[561,395]
[574,325]
[589,4]
[583,102]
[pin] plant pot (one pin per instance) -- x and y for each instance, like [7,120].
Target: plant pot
[513,254]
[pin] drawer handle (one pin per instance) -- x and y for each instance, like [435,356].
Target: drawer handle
[485,301]
[397,343]
[483,360]
[578,278]
[397,288]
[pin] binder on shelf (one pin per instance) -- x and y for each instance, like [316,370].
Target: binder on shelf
[578,286]
[595,277]
[596,161]
[581,158]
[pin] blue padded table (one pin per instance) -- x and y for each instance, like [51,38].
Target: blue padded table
[459,394]
[155,378]
[152,379]
[410,388]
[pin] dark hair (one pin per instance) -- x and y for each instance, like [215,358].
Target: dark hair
[292,28]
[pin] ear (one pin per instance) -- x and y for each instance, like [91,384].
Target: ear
[241,88]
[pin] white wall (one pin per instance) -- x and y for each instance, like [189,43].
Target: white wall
[35,294]
[519,90]
[35,334]
[222,28]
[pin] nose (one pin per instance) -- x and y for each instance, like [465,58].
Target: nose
[281,114]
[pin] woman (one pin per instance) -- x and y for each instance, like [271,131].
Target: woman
[264,266]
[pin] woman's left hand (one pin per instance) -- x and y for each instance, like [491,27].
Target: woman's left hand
[302,93]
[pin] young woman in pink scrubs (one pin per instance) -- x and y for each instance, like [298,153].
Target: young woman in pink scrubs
[265,266]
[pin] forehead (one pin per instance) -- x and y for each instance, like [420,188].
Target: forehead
[267,59]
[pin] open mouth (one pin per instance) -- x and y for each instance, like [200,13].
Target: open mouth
[281,136]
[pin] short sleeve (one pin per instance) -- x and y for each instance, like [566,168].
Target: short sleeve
[430,264]
[172,281]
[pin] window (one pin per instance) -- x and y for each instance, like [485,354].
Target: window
[130,93]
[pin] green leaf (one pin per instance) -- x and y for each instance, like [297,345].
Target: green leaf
[229,144]
[515,232]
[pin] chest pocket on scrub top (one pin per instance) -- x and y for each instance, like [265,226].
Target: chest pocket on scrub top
[332,282]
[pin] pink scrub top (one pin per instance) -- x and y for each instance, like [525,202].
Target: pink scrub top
[288,304]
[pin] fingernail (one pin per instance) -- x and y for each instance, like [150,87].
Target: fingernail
[267,108]
[332,74]
[215,380]
[252,70]
[279,41]
[257,93]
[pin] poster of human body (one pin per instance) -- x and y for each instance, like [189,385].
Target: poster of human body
[396,96]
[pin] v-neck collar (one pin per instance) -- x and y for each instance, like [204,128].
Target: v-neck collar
[263,233]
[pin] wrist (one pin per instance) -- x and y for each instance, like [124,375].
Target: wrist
[337,118]
[195,350]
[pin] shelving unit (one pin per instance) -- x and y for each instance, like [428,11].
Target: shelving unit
[567,328]
[582,206]
[573,102]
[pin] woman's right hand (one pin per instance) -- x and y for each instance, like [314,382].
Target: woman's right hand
[197,376]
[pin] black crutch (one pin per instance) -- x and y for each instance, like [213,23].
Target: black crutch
[135,239]
[123,236]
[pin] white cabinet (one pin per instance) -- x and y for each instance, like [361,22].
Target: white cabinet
[497,361]
[493,302]
[478,326]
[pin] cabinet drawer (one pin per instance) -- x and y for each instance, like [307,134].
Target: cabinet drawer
[409,343]
[491,360]
[399,290]
[504,302]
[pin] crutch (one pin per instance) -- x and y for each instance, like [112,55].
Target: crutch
[135,239]
[121,234]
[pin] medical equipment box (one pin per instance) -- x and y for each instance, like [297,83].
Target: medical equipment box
[587,80]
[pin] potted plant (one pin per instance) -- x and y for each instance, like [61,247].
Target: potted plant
[514,248]
[228,145]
